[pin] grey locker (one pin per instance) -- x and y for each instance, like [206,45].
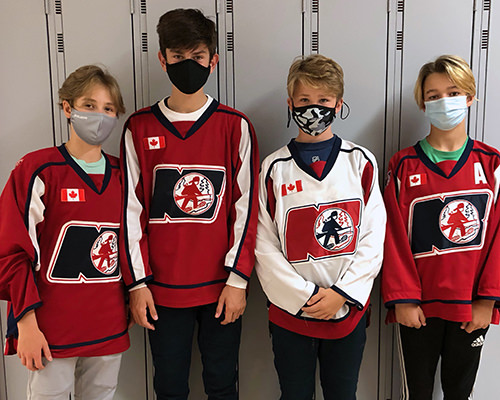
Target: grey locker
[262,55]
[26,122]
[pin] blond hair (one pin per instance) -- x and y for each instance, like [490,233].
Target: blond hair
[82,79]
[454,67]
[316,71]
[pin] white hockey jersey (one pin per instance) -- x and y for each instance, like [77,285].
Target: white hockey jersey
[313,232]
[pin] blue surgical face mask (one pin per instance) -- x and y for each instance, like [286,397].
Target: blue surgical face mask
[447,112]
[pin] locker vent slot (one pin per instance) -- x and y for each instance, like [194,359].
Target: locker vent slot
[401,5]
[144,42]
[399,40]
[229,6]
[315,6]
[484,39]
[229,41]
[486,5]
[58,7]
[315,41]
[60,43]
[143,6]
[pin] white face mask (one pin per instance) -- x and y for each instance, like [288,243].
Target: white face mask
[93,128]
[447,112]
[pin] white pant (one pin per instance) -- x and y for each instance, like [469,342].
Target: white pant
[94,378]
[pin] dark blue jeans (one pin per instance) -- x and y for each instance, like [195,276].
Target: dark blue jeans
[171,344]
[295,358]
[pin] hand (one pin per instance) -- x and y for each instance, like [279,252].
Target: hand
[140,301]
[410,315]
[31,344]
[234,301]
[324,304]
[481,315]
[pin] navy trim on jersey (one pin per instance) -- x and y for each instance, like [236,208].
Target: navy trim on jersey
[135,283]
[268,176]
[435,168]
[447,301]
[155,109]
[89,343]
[12,321]
[123,228]
[83,175]
[349,298]
[252,186]
[390,304]
[487,298]
[229,269]
[196,285]
[315,291]
[362,152]
[306,168]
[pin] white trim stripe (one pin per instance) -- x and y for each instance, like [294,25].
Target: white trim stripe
[36,210]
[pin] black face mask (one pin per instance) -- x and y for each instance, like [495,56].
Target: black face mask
[188,76]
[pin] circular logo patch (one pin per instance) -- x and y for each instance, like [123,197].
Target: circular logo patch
[459,221]
[194,193]
[104,253]
[334,229]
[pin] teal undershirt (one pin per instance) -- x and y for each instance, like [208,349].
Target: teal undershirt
[97,168]
[437,156]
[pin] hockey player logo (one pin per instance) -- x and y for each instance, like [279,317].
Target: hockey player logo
[334,229]
[104,253]
[459,221]
[194,193]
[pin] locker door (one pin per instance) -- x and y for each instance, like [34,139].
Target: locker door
[431,28]
[267,38]
[97,32]
[486,387]
[354,34]
[26,123]
[156,82]
[419,32]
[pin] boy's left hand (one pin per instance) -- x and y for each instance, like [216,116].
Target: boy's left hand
[324,304]
[232,301]
[481,315]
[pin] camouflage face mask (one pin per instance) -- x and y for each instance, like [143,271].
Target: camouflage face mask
[313,119]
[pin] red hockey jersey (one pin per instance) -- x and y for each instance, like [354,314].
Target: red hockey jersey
[190,197]
[59,254]
[441,248]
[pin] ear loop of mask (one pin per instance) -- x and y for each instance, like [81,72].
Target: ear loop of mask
[342,116]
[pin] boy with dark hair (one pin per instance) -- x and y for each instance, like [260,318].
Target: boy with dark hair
[190,215]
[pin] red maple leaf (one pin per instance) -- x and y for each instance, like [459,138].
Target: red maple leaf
[73,194]
[291,187]
[153,142]
[414,179]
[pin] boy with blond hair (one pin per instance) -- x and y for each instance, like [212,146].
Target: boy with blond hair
[319,240]
[441,274]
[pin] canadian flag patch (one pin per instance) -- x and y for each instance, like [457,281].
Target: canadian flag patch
[154,142]
[291,188]
[417,180]
[72,195]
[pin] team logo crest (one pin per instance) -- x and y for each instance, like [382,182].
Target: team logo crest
[334,229]
[104,253]
[459,221]
[194,193]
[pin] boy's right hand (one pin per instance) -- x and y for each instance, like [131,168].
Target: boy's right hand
[410,315]
[140,301]
[31,344]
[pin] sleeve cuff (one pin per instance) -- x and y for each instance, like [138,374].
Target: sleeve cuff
[356,303]
[236,281]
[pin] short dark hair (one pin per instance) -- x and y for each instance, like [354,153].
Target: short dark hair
[185,29]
